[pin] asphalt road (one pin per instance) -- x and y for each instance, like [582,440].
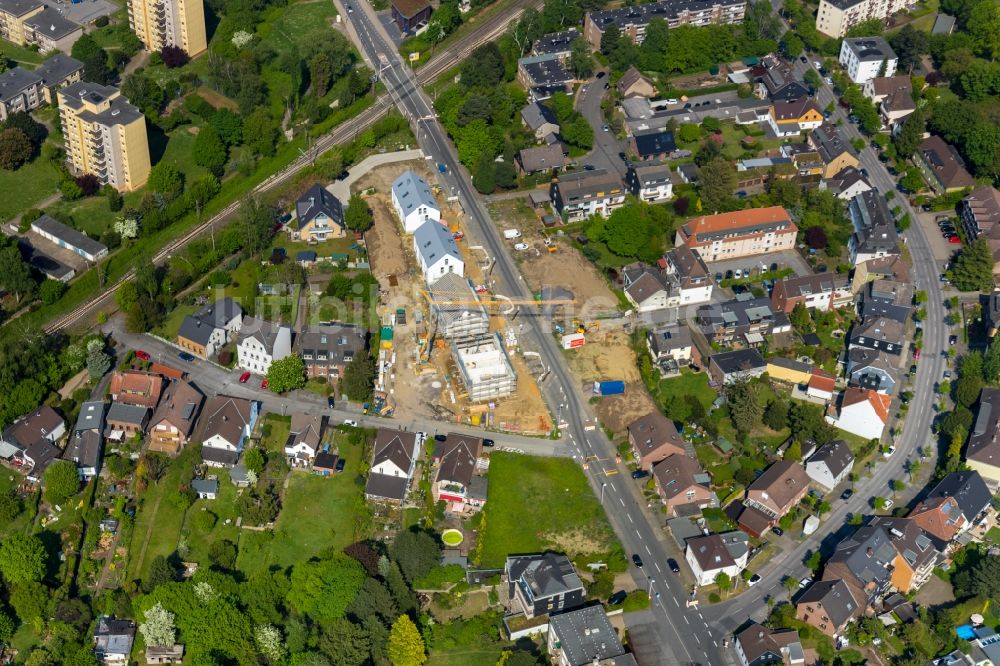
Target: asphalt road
[606,147]
[666,638]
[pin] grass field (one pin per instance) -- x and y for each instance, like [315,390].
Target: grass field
[26,187]
[90,215]
[317,513]
[223,506]
[19,54]
[296,27]
[9,481]
[179,152]
[464,657]
[689,383]
[538,503]
[168,329]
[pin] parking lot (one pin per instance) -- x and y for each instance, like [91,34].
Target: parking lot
[786,259]
[942,249]
[83,12]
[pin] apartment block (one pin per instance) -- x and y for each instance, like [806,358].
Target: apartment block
[159,23]
[105,135]
[633,19]
[748,233]
[24,90]
[835,17]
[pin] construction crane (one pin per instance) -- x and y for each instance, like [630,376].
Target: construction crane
[498,300]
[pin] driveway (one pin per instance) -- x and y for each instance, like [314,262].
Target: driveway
[785,259]
[606,146]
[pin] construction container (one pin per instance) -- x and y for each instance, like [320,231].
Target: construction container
[616,387]
[573,341]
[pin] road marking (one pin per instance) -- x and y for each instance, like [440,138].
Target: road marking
[639,535]
[647,549]
[622,501]
[697,639]
[658,567]
[630,517]
[678,605]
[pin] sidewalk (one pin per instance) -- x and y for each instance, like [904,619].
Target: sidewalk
[342,188]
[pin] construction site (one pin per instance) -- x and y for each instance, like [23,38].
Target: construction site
[450,350]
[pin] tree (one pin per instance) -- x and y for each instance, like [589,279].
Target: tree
[222,554]
[61,481]
[158,629]
[981,579]
[484,67]
[373,599]
[15,274]
[286,374]
[34,130]
[144,92]
[160,572]
[22,559]
[7,627]
[912,180]
[94,59]
[416,552]
[578,132]
[792,45]
[581,63]
[816,238]
[776,415]
[324,589]
[745,405]
[505,174]
[209,151]
[228,126]
[10,507]
[723,581]
[790,584]
[406,647]
[688,132]
[909,44]
[174,56]
[166,179]
[260,133]
[716,182]
[967,390]
[15,149]
[484,177]
[253,459]
[359,377]
[321,72]
[98,361]
[270,642]
[973,270]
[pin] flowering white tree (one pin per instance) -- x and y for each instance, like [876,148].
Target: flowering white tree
[126,227]
[270,642]
[251,477]
[158,629]
[205,593]
[242,38]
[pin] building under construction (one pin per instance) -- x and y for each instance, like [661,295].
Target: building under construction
[485,367]
[456,309]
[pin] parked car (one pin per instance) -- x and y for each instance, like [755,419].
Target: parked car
[640,474]
[605,127]
[521,246]
[340,465]
[803,59]
[329,401]
[343,175]
[351,422]
[753,580]
[617,598]
[888,504]
[777,531]
[718,277]
[601,75]
[489,443]
[847,494]
[141,355]
[952,339]
[636,560]
[184,356]
[263,384]
[588,167]
[955,240]
[805,582]
[889,451]
[440,438]
[671,101]
[623,156]
[729,275]
[672,563]
[244,378]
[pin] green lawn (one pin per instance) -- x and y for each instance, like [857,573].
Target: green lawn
[464,657]
[298,26]
[26,187]
[91,215]
[322,250]
[168,329]
[179,151]
[244,283]
[158,518]
[223,506]
[317,512]
[20,54]
[689,383]
[538,503]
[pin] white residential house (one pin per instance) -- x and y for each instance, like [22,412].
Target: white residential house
[652,183]
[831,464]
[646,290]
[394,457]
[863,412]
[413,201]
[304,437]
[693,277]
[228,423]
[708,556]
[866,58]
[437,252]
[260,343]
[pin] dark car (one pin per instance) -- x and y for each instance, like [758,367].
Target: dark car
[847,494]
[343,175]
[718,277]
[489,442]
[952,339]
[672,563]
[636,560]
[340,465]
[601,75]
[803,59]
[729,275]
[777,531]
[640,474]
[741,194]
[774,266]
[329,401]
[623,157]
[441,438]
[184,356]
[892,171]
[617,598]
[864,172]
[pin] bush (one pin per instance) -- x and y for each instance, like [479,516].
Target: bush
[174,56]
[101,21]
[204,521]
[88,184]
[714,598]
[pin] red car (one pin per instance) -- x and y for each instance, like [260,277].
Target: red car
[141,355]
[916,353]
[263,384]
[244,377]
[954,239]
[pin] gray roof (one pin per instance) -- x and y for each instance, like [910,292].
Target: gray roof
[336,343]
[19,7]
[540,158]
[221,456]
[454,287]
[740,360]
[652,174]
[411,191]
[670,337]
[866,367]
[52,24]
[556,42]
[544,575]
[870,49]
[943,25]
[643,14]
[120,112]
[205,486]
[537,114]
[15,81]
[57,69]
[84,448]
[199,326]
[545,70]
[113,636]
[69,235]
[837,456]
[585,636]
[835,595]
[123,413]
[875,230]
[867,554]
[830,143]
[967,489]
[265,332]
[318,200]
[387,487]
[434,241]
[91,416]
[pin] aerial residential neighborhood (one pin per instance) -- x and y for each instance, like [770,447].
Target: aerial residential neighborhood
[495,332]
